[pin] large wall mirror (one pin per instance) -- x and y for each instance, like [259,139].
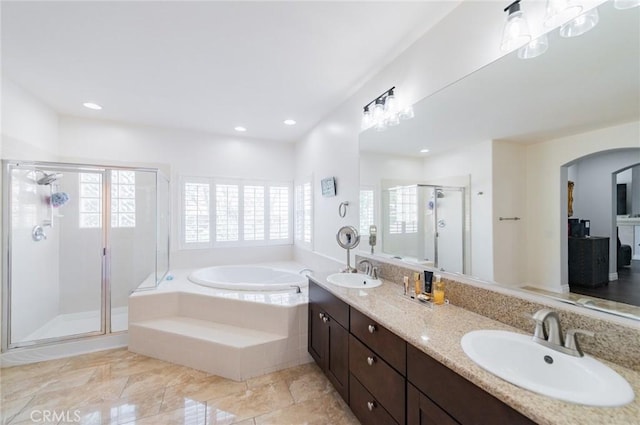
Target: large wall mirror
[505,141]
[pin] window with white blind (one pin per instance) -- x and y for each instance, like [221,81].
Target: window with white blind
[227,212]
[253,213]
[367,210]
[123,199]
[279,212]
[238,212]
[403,210]
[195,212]
[304,213]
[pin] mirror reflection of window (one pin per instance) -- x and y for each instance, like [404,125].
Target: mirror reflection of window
[367,216]
[403,210]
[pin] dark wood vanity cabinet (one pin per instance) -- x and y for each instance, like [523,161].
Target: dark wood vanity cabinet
[462,401]
[386,381]
[328,339]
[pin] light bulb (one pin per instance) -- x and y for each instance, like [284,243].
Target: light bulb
[582,24]
[560,11]
[367,119]
[378,115]
[626,4]
[391,109]
[516,30]
[534,48]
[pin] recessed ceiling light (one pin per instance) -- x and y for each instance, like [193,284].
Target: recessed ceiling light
[290,122]
[424,150]
[92,105]
[240,129]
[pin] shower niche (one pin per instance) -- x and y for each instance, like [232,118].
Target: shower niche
[77,240]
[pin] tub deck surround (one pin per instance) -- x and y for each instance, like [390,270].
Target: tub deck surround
[233,334]
[438,331]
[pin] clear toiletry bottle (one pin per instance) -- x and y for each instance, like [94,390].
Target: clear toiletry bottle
[438,291]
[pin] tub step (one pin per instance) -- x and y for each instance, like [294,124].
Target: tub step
[229,351]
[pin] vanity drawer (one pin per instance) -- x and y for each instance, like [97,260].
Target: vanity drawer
[388,345]
[331,304]
[365,406]
[462,400]
[380,379]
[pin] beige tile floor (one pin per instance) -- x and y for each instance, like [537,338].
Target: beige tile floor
[120,387]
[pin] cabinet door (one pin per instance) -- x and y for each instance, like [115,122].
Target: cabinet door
[337,357]
[318,334]
[422,411]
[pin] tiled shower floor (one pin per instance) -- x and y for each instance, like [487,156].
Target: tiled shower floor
[120,387]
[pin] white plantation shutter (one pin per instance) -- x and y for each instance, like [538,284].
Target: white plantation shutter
[307,212]
[366,210]
[279,212]
[237,213]
[403,210]
[227,212]
[196,216]
[253,213]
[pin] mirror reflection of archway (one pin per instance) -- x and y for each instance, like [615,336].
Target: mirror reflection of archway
[603,249]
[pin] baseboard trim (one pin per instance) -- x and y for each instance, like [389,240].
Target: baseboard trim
[613,276]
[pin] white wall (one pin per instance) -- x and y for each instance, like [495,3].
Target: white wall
[476,161]
[331,148]
[635,191]
[183,153]
[546,187]
[30,132]
[509,200]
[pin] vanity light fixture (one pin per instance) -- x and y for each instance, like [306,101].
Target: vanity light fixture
[91,105]
[289,122]
[240,129]
[626,4]
[580,25]
[384,111]
[516,29]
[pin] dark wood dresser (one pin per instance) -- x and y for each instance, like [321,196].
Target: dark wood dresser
[588,261]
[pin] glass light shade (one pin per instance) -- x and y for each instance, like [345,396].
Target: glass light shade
[516,32]
[406,113]
[581,24]
[534,48]
[367,120]
[392,120]
[378,116]
[626,4]
[560,11]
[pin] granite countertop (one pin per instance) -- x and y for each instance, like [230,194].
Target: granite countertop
[437,332]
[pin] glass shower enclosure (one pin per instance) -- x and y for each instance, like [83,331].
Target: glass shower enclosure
[426,224]
[77,240]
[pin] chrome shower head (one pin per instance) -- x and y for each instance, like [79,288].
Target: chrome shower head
[48,178]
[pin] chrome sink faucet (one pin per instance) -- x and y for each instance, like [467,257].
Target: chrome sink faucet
[369,269]
[548,332]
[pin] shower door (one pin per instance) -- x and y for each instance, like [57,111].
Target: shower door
[449,228]
[55,253]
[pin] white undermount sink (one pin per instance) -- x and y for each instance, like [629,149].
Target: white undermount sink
[354,280]
[518,359]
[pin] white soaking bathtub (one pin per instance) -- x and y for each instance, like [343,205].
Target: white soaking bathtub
[248,278]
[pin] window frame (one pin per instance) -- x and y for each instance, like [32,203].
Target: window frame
[302,216]
[213,217]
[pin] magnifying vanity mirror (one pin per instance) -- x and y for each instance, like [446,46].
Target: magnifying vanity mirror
[509,137]
[348,238]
